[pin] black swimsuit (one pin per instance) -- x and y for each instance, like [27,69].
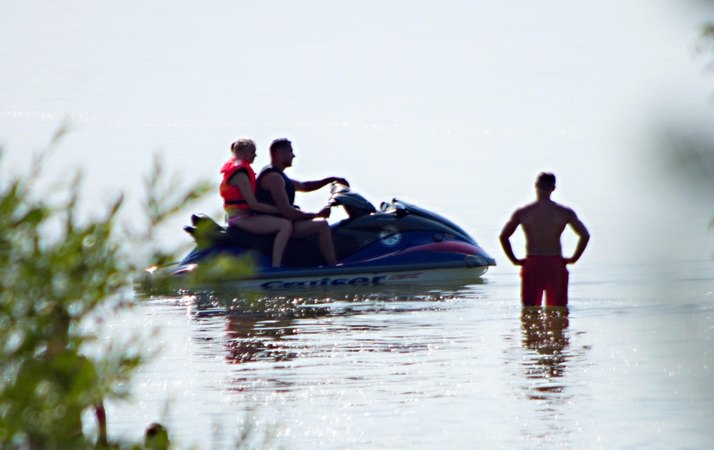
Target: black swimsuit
[264,195]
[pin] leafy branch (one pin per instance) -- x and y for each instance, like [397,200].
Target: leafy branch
[59,274]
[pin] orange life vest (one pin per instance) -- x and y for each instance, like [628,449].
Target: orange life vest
[232,196]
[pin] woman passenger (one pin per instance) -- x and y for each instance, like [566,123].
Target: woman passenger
[238,192]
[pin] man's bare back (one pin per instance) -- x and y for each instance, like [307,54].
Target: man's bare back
[544,268]
[543,222]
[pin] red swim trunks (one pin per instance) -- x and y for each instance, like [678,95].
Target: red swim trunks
[544,273]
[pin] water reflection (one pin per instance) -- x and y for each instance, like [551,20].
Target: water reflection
[545,357]
[545,332]
[277,329]
[250,338]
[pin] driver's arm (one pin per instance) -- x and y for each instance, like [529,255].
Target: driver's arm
[309,186]
[276,185]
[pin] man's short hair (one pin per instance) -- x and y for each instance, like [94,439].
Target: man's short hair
[279,144]
[242,144]
[545,180]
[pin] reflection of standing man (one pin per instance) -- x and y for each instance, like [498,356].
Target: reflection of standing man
[543,221]
[545,331]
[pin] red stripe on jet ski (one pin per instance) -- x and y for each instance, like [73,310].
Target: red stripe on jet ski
[448,247]
[452,247]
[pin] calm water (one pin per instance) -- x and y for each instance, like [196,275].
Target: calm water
[628,366]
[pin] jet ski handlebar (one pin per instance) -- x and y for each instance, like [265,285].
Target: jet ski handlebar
[358,206]
[354,203]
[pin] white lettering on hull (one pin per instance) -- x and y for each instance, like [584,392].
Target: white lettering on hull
[325,281]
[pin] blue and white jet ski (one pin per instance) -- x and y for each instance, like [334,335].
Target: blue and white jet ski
[401,244]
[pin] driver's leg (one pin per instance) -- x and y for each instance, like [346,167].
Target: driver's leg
[305,228]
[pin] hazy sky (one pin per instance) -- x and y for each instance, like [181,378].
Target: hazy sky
[473,63]
[455,105]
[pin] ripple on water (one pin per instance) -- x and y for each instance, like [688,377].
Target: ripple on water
[460,369]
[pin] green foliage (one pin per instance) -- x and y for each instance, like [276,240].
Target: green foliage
[708,30]
[214,274]
[166,196]
[58,275]
[707,45]
[221,269]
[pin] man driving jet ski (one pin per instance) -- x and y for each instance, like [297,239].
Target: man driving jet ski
[275,188]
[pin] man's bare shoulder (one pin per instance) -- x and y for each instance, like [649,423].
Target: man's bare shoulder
[524,210]
[271,178]
[564,209]
[539,209]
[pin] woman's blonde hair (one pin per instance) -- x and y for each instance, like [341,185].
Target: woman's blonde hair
[241,145]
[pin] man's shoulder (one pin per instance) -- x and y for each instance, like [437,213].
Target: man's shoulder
[564,209]
[525,209]
[271,176]
[537,208]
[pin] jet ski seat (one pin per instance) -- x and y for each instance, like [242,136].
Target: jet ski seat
[299,252]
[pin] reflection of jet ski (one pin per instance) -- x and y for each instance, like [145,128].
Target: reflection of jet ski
[400,244]
[256,327]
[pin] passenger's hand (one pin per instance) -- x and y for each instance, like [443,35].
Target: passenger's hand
[324,212]
[340,181]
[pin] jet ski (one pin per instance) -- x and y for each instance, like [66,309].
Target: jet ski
[399,244]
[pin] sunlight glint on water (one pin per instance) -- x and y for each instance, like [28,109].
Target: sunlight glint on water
[455,370]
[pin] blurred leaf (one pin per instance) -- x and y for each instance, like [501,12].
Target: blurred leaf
[53,279]
[708,30]
[687,155]
[220,269]
[167,196]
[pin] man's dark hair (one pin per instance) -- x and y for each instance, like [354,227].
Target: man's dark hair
[546,180]
[279,144]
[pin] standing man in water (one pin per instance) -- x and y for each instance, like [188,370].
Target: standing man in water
[543,221]
[275,188]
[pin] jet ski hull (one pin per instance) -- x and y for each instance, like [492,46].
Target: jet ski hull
[459,271]
[400,245]
[320,281]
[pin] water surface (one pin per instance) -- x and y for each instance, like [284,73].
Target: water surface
[627,365]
